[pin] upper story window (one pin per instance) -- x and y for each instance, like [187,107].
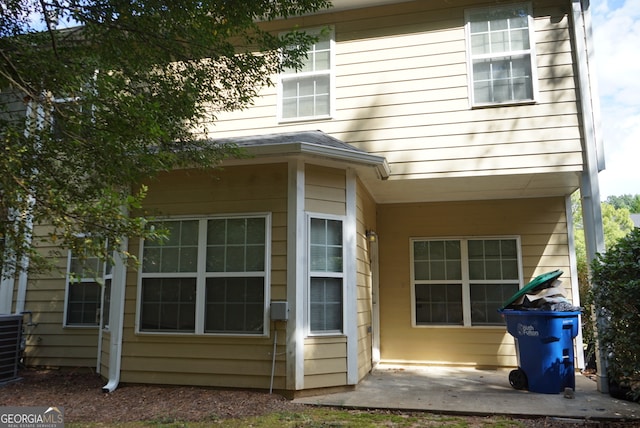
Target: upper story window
[501,55]
[308,92]
[209,276]
[61,112]
[463,282]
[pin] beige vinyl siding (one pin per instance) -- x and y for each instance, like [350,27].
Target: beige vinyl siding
[540,223]
[325,362]
[104,353]
[212,360]
[12,105]
[325,358]
[325,190]
[401,92]
[366,220]
[48,342]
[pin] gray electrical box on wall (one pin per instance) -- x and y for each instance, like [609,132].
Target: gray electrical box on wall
[279,311]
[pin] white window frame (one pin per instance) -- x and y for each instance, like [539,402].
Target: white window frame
[465,281]
[201,276]
[284,76]
[62,101]
[71,280]
[105,317]
[531,52]
[325,274]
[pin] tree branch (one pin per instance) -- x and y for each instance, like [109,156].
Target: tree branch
[50,27]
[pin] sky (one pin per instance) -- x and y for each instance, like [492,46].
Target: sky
[616,33]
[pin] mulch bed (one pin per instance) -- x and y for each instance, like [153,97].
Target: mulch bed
[79,392]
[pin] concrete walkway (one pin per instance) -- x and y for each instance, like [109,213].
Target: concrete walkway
[469,391]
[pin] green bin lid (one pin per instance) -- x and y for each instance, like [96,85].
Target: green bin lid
[538,283]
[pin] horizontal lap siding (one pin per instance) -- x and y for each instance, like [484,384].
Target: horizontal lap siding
[13,107]
[325,190]
[401,92]
[210,360]
[104,354]
[325,362]
[366,220]
[325,358]
[48,342]
[542,227]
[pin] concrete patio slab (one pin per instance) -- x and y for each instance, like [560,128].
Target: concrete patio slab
[454,390]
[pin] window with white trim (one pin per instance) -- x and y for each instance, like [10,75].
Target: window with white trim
[326,275]
[209,277]
[307,93]
[501,54]
[463,281]
[83,293]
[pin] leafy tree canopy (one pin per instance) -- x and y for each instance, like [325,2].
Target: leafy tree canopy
[616,297]
[631,202]
[616,223]
[117,96]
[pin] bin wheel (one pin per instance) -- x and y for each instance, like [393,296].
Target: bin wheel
[518,379]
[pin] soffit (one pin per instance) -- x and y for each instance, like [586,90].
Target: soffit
[395,190]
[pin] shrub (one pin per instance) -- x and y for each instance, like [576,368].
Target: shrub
[616,298]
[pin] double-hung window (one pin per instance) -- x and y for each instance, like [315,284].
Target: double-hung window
[463,281]
[307,93]
[326,276]
[83,293]
[70,118]
[209,277]
[501,55]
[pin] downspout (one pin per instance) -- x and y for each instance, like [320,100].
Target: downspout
[116,318]
[589,185]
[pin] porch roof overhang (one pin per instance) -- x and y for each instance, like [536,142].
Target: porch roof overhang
[312,144]
[354,4]
[402,186]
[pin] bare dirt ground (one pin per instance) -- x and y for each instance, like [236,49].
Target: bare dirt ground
[79,391]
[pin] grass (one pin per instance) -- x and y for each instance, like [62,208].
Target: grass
[327,418]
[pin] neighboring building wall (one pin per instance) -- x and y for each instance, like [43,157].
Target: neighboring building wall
[542,227]
[12,105]
[12,109]
[401,92]
[49,343]
[212,360]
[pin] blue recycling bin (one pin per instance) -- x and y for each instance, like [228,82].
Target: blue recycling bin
[544,347]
